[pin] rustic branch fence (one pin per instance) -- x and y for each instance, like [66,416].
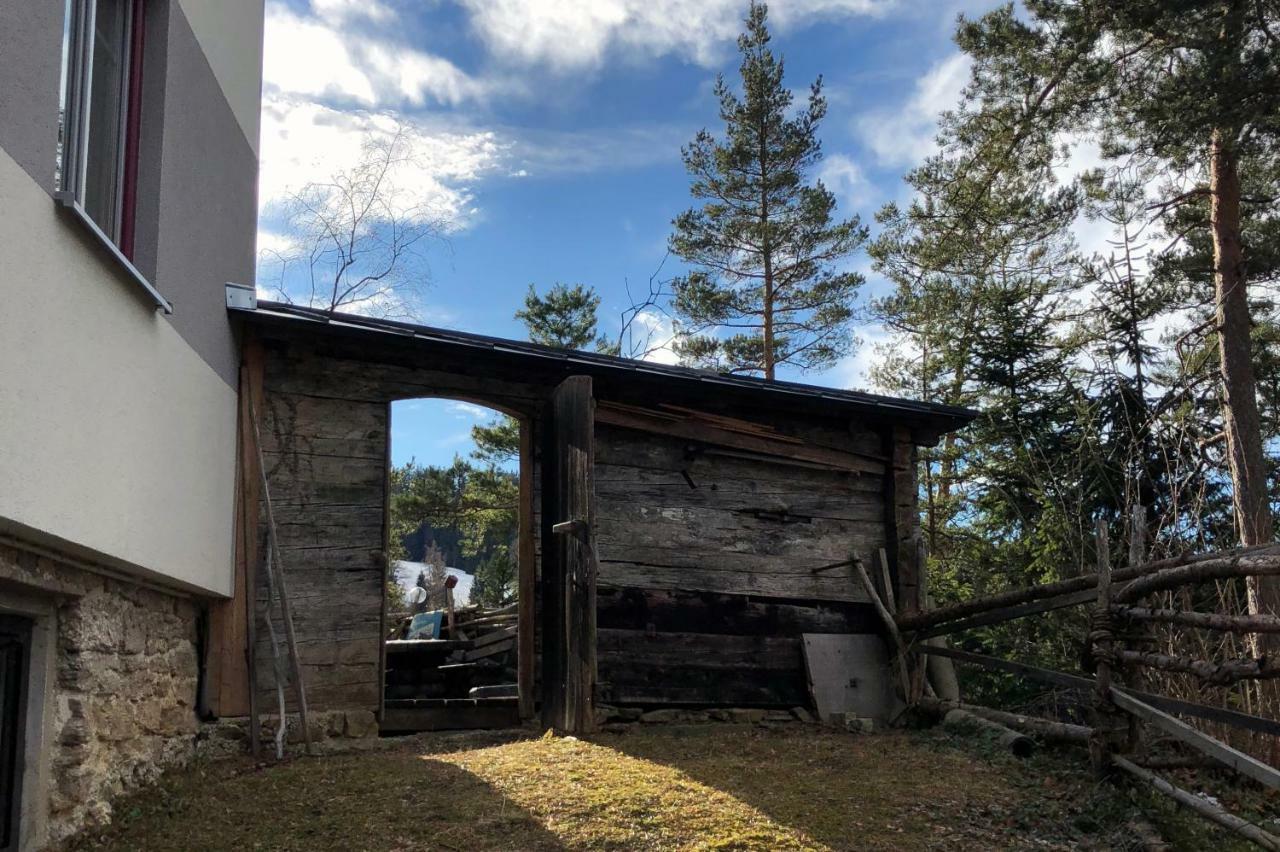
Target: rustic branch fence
[1118,617]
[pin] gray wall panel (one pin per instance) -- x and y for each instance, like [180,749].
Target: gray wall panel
[208,210]
[198,175]
[30,76]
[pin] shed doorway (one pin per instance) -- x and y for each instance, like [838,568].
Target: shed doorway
[457,649]
[15,653]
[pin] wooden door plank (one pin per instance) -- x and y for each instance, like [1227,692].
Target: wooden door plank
[570,565]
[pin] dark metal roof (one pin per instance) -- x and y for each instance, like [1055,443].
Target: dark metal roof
[944,418]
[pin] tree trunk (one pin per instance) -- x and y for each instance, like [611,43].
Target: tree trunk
[768,317]
[1240,419]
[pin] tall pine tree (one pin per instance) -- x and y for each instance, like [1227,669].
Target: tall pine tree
[766,285]
[1193,85]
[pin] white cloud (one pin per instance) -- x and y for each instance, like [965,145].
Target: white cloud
[575,34]
[656,333]
[274,242]
[854,370]
[905,136]
[467,410]
[840,174]
[304,142]
[345,11]
[539,153]
[323,56]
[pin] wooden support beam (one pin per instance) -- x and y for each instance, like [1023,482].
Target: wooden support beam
[1259,562]
[1100,648]
[570,562]
[1208,671]
[1201,805]
[528,572]
[1203,743]
[1008,613]
[629,417]
[1202,620]
[964,609]
[900,649]
[903,521]
[1018,743]
[252,393]
[1048,730]
[1070,681]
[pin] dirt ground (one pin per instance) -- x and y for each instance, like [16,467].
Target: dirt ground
[705,787]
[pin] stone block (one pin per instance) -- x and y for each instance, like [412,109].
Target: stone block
[747,716]
[360,723]
[664,716]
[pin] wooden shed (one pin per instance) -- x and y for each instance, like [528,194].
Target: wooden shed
[680,530]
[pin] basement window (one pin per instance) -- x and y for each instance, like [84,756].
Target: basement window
[101,122]
[15,637]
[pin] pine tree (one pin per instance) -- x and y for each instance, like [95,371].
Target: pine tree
[764,251]
[1193,85]
[565,317]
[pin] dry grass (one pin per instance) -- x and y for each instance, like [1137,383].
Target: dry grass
[709,787]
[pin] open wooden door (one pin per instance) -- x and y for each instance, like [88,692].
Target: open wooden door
[569,559]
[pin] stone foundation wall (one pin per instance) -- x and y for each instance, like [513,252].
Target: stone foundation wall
[121,704]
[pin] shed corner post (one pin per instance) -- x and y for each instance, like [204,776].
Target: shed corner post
[904,518]
[569,559]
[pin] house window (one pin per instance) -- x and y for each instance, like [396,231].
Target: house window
[102,111]
[102,115]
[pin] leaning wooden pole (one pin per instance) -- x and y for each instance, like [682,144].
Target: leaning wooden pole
[1190,561]
[1258,562]
[1049,730]
[1200,805]
[900,649]
[275,563]
[1202,620]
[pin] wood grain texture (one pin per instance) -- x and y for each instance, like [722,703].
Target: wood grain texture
[570,565]
[716,531]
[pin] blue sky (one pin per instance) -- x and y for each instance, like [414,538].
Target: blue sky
[547,134]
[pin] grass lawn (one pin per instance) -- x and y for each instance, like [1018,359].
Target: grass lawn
[703,787]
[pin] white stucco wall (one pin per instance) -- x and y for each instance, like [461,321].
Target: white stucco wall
[230,33]
[115,436]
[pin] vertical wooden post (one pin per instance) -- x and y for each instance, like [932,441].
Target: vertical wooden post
[385,558]
[1137,535]
[525,625]
[252,393]
[1101,642]
[904,520]
[1137,557]
[571,570]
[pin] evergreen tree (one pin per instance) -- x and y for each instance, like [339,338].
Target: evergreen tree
[1194,86]
[497,442]
[565,317]
[764,251]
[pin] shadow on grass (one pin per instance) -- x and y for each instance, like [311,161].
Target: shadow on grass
[385,800]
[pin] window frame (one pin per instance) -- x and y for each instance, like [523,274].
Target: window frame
[77,96]
[17,629]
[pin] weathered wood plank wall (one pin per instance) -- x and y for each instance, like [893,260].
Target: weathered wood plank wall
[712,559]
[325,435]
[711,566]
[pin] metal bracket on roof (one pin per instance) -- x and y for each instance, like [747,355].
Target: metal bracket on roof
[242,297]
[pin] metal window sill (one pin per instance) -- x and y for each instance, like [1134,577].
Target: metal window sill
[68,202]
